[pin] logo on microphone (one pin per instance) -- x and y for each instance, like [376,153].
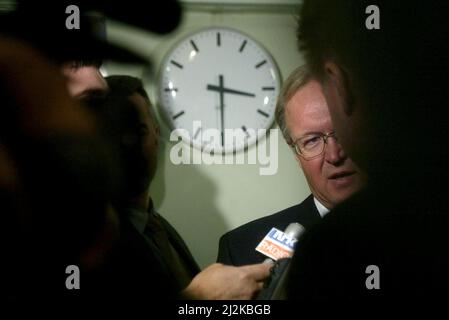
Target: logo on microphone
[277,245]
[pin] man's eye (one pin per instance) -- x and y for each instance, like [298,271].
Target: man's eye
[311,142]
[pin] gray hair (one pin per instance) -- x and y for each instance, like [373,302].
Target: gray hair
[295,81]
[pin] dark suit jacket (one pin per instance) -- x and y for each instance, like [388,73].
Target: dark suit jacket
[132,272]
[237,247]
[181,248]
[136,272]
[149,248]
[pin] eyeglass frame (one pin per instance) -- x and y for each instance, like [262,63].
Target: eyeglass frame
[323,136]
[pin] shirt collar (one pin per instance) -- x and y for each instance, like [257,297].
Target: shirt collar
[322,210]
[139,218]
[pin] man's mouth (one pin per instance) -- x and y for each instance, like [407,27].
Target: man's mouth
[341,174]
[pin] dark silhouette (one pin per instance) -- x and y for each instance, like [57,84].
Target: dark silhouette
[386,103]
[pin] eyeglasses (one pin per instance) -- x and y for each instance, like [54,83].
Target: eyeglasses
[312,145]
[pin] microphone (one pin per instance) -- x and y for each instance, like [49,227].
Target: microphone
[279,247]
[277,244]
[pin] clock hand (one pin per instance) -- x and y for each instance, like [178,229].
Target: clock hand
[220,87]
[227,90]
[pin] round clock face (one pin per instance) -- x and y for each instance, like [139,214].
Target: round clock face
[220,86]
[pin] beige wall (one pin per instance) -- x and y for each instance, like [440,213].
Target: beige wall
[201,201]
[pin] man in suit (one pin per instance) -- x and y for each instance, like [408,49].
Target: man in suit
[380,76]
[137,133]
[303,117]
[135,129]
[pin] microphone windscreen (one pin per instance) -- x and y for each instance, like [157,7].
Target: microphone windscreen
[294,230]
[277,244]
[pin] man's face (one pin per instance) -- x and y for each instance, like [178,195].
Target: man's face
[84,82]
[332,176]
[149,132]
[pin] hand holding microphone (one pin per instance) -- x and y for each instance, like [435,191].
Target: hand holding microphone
[279,247]
[228,282]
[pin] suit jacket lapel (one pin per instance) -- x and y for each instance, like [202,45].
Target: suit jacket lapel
[179,245]
[307,213]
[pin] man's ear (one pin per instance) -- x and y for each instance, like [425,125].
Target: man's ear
[292,149]
[298,159]
[338,83]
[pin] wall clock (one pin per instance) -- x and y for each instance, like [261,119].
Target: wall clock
[220,79]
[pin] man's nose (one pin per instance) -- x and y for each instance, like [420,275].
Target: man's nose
[334,153]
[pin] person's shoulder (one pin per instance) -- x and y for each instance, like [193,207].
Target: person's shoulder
[237,246]
[279,220]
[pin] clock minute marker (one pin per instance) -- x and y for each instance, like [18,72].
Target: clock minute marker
[218,39]
[263,113]
[242,47]
[245,130]
[171,89]
[260,64]
[194,46]
[267,88]
[180,66]
[197,132]
[178,115]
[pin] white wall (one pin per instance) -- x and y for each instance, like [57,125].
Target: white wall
[201,201]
